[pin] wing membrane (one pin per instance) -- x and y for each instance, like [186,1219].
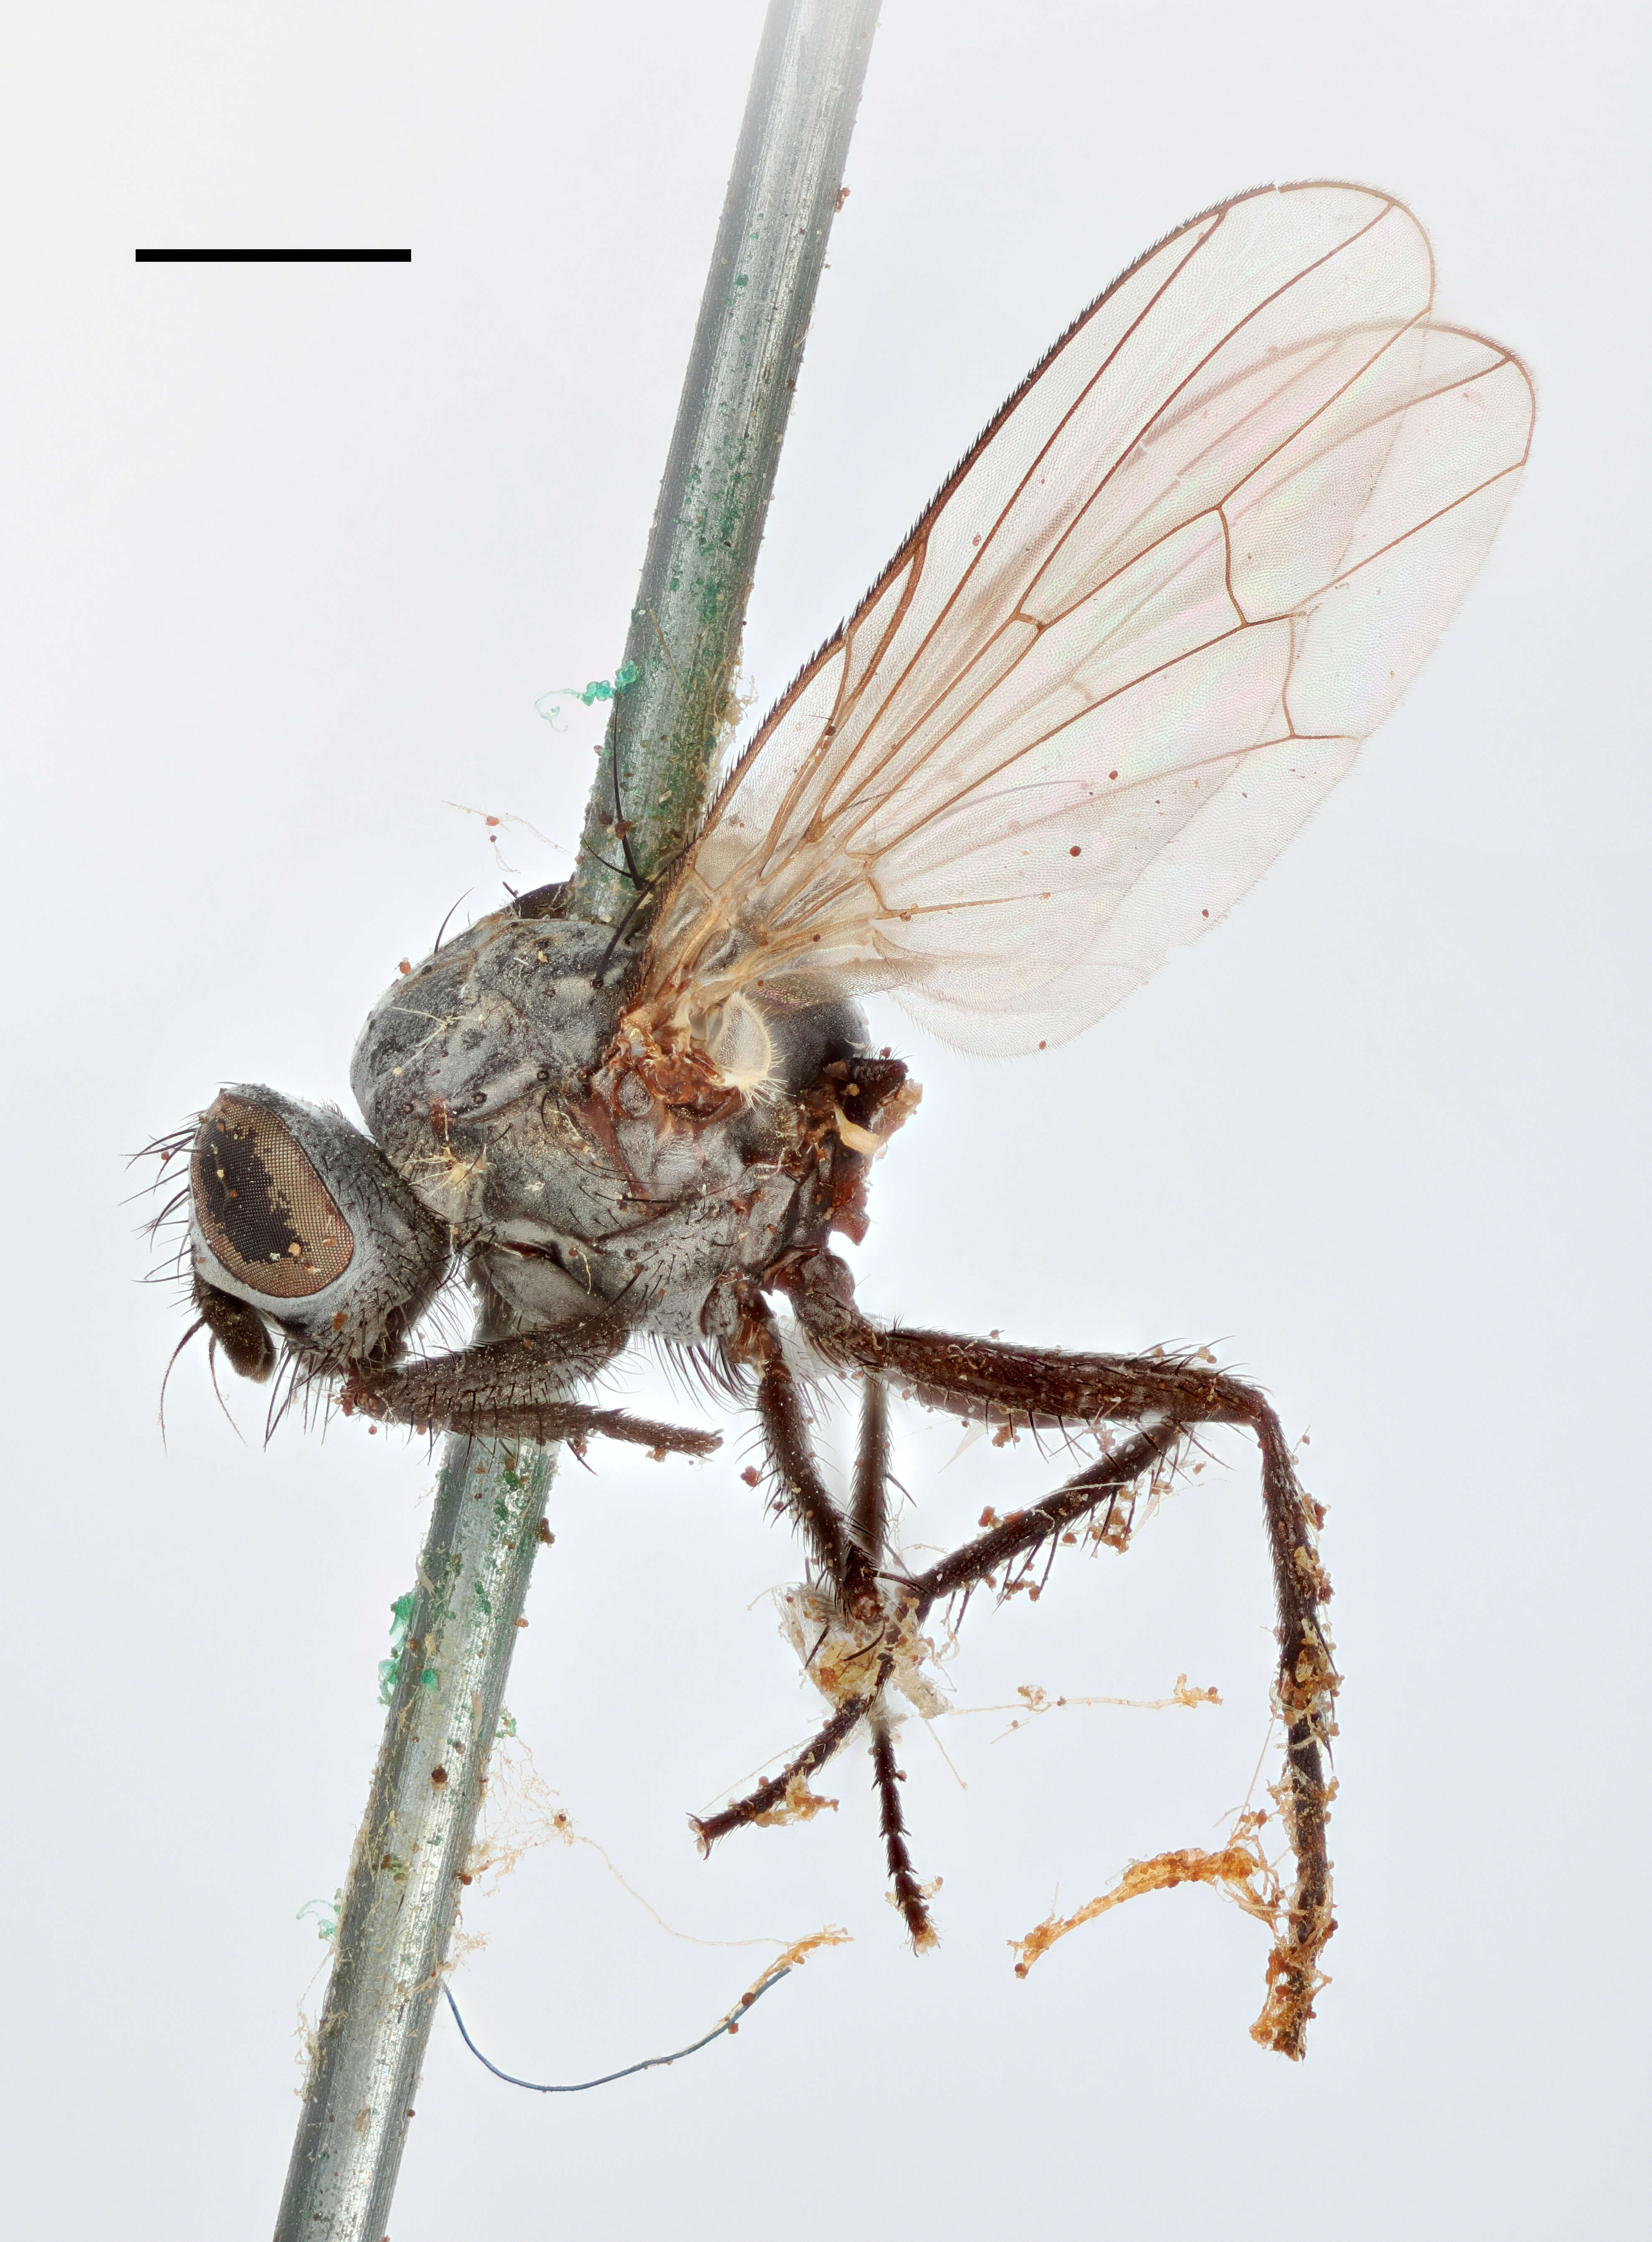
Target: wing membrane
[1132,644]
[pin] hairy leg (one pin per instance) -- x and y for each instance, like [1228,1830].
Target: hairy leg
[516,1387]
[1025,1532]
[799,1489]
[779,1797]
[869,1511]
[887,1776]
[770,1796]
[1010,1384]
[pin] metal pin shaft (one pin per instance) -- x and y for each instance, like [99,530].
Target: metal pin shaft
[403,1889]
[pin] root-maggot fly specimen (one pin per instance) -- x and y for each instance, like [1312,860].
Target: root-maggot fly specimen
[1130,646]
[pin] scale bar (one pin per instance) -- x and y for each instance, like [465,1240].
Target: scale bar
[274,256]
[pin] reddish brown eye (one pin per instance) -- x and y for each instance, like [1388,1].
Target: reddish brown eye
[262,1207]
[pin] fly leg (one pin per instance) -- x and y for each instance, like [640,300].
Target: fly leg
[909,1894]
[849,1551]
[516,1387]
[1009,1386]
[1023,1535]
[1017,1539]
[869,1511]
[772,1799]
[869,1529]
[833,1540]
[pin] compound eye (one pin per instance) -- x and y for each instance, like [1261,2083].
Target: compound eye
[262,1206]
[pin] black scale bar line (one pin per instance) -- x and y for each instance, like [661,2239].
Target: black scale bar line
[275,256]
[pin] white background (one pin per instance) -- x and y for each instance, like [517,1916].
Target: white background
[290,553]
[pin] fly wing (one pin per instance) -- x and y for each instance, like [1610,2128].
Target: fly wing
[1128,649]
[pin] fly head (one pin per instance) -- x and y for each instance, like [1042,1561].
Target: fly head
[298,1223]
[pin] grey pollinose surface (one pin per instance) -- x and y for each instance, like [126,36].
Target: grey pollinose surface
[482,1075]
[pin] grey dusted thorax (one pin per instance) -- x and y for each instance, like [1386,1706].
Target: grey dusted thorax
[478,1075]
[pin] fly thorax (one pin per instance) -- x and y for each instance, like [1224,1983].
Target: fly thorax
[463,1069]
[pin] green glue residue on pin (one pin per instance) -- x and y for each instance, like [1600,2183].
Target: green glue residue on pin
[598,690]
[389,1669]
[401,1618]
[326,1916]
